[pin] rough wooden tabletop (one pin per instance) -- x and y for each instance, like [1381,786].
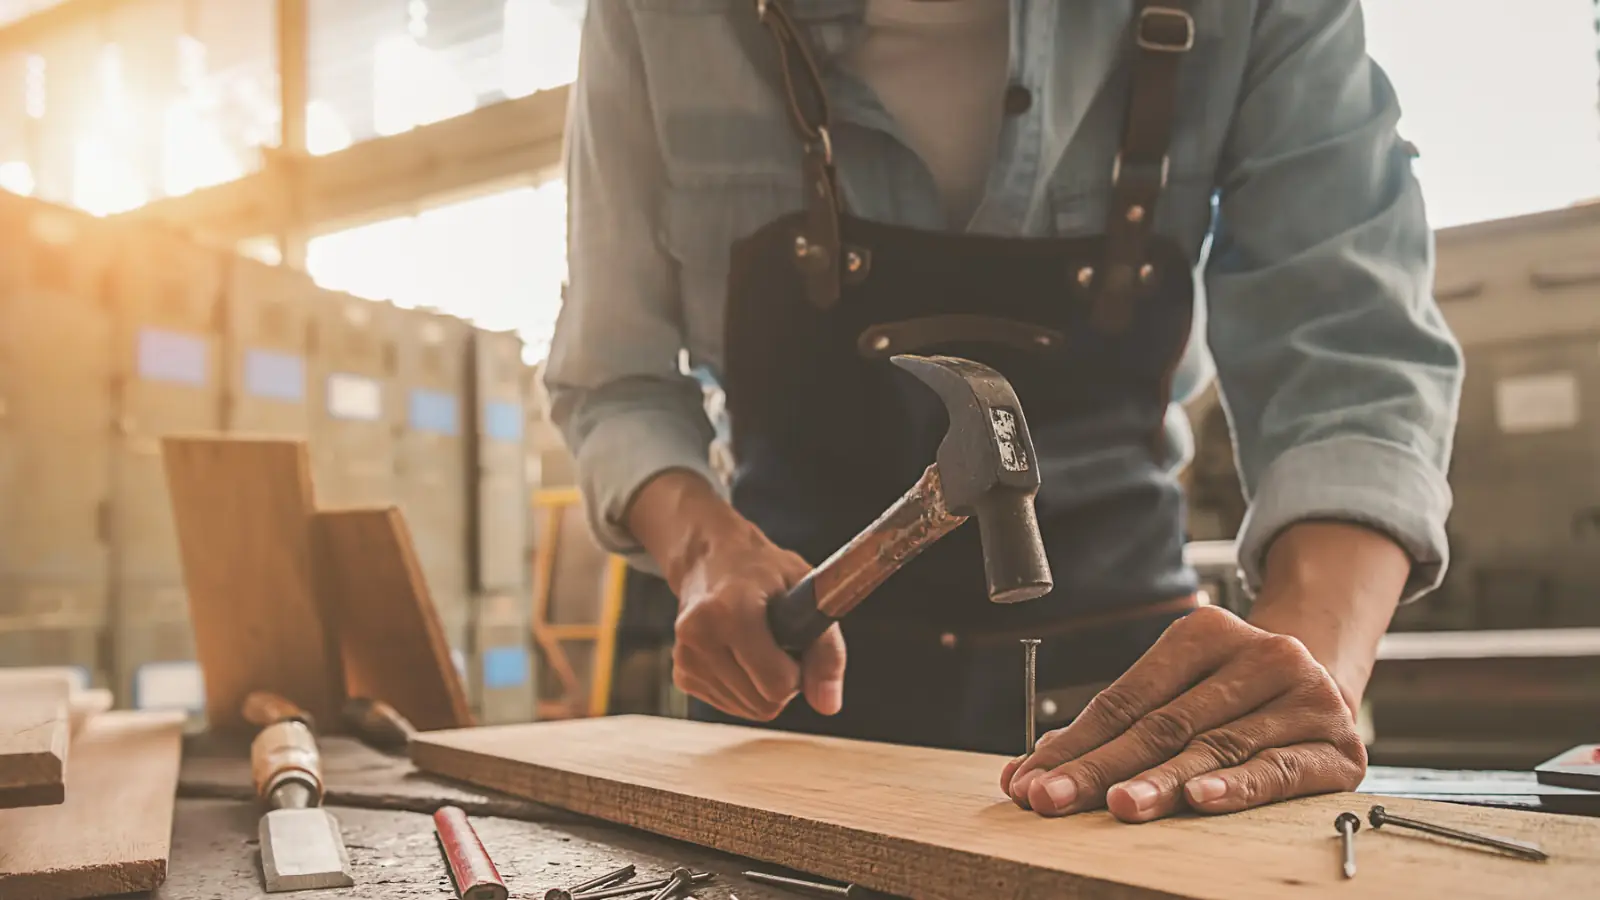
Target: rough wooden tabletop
[382,805]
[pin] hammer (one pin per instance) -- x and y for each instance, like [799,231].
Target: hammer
[985,468]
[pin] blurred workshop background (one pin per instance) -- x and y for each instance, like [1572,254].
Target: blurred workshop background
[344,220]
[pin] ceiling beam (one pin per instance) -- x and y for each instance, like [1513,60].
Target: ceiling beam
[34,27]
[515,142]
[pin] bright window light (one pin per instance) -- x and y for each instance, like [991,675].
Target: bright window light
[538,47]
[17,177]
[1499,97]
[413,86]
[497,261]
[325,129]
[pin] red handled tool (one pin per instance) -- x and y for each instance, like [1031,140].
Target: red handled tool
[470,866]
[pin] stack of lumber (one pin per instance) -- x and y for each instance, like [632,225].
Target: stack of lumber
[310,604]
[86,795]
[933,824]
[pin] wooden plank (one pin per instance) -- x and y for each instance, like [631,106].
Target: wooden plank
[243,511]
[390,635]
[113,833]
[34,732]
[85,705]
[933,824]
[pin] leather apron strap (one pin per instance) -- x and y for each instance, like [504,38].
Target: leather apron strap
[817,249]
[1163,33]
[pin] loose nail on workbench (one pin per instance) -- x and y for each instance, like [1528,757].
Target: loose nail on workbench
[628,890]
[1347,824]
[816,887]
[1380,817]
[594,884]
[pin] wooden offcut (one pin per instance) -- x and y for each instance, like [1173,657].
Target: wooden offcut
[113,834]
[34,731]
[243,511]
[392,641]
[933,824]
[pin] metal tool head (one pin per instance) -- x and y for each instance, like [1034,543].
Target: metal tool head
[301,849]
[987,470]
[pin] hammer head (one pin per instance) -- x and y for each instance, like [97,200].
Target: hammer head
[988,471]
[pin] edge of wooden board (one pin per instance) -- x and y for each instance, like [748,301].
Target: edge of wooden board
[107,758]
[35,775]
[786,826]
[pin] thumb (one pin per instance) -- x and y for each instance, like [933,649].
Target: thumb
[823,672]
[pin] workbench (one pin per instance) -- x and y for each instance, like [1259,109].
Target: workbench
[383,806]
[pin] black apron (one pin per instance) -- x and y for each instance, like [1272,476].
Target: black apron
[827,433]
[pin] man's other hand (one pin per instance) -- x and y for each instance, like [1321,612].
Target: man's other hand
[1218,716]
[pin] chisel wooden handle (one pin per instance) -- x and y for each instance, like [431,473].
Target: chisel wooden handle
[378,723]
[263,708]
[284,753]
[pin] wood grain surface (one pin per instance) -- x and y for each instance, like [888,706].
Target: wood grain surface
[243,511]
[113,833]
[391,639]
[933,824]
[34,735]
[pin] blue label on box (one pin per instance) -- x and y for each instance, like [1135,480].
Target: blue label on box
[505,667]
[172,356]
[435,411]
[502,421]
[275,376]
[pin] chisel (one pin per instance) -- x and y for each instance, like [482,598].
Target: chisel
[301,848]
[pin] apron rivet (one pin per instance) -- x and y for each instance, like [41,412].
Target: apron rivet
[1146,271]
[1047,707]
[881,342]
[852,261]
[1135,213]
[947,641]
[802,247]
[1086,275]
[1042,340]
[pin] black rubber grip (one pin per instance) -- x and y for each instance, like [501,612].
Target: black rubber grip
[795,621]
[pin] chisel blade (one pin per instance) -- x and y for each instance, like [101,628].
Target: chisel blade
[301,849]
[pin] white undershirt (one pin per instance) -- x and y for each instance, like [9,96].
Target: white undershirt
[940,67]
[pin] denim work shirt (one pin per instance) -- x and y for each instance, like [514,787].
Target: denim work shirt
[1289,187]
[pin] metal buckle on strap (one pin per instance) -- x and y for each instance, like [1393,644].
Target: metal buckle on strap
[1116,170]
[1152,33]
[826,140]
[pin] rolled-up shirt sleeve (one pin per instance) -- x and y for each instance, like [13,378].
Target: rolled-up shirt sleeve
[1339,375]
[617,393]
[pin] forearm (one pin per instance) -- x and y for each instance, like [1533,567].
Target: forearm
[676,516]
[1334,587]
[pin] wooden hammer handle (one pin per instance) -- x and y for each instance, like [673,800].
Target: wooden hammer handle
[800,616]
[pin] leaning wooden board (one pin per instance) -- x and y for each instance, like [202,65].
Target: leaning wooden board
[932,824]
[34,729]
[114,832]
[243,511]
[393,643]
